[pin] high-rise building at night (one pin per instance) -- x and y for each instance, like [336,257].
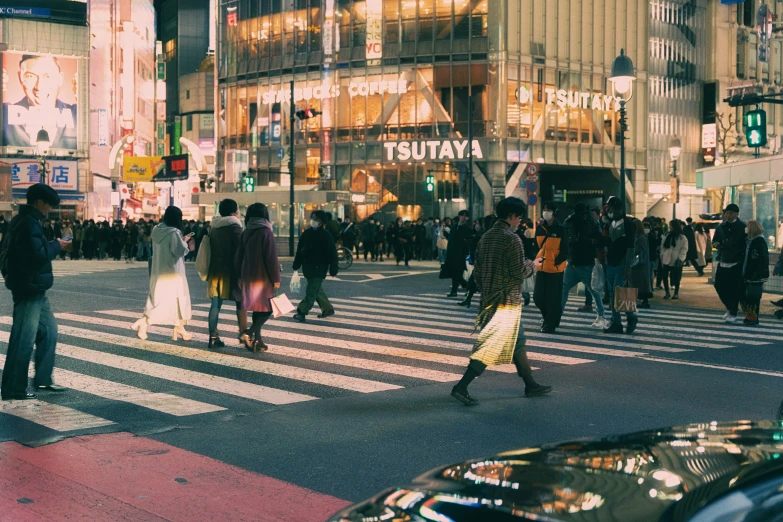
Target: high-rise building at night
[470,92]
[122,86]
[46,61]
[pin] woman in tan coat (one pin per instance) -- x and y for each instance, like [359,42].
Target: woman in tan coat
[222,280]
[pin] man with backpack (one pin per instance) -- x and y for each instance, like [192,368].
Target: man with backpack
[26,264]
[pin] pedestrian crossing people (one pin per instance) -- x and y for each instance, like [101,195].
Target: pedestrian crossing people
[640,266]
[674,252]
[730,240]
[457,251]
[755,271]
[316,255]
[620,244]
[552,240]
[168,302]
[500,269]
[222,279]
[26,266]
[584,236]
[258,268]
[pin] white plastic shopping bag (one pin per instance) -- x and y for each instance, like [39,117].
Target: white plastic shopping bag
[296,283]
[598,281]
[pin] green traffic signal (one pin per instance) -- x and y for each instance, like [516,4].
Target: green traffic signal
[249,184]
[756,128]
[430,181]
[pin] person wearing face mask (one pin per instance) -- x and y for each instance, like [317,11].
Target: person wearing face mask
[620,253]
[317,256]
[457,251]
[730,240]
[552,240]
[583,238]
[499,272]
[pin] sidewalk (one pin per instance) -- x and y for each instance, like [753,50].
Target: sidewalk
[698,292]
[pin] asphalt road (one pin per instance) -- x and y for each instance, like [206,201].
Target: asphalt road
[355,403]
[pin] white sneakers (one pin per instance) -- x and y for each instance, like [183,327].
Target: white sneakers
[600,323]
[726,316]
[731,319]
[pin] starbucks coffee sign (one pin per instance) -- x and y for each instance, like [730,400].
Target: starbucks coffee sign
[572,99]
[432,150]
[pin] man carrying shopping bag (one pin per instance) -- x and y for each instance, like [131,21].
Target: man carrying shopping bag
[317,256]
[620,243]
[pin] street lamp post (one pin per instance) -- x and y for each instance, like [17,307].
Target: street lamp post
[42,142]
[292,172]
[622,78]
[675,148]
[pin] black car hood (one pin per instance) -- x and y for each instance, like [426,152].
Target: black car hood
[658,475]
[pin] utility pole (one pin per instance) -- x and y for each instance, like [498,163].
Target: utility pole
[470,152]
[291,168]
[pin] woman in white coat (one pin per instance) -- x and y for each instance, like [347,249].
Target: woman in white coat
[169,298]
[674,250]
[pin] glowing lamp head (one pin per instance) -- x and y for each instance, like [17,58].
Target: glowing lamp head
[675,148]
[43,142]
[622,77]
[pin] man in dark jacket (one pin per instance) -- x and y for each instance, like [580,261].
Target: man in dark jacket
[317,256]
[730,240]
[369,232]
[27,269]
[693,251]
[552,240]
[457,252]
[584,235]
[620,243]
[348,235]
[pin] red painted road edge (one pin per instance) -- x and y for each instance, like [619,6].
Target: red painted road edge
[122,477]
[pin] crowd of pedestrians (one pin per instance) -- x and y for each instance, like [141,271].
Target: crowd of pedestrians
[130,240]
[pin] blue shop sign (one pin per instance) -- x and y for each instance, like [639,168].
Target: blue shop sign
[21,12]
[730,2]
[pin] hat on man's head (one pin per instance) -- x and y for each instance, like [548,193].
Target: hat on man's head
[42,192]
[731,207]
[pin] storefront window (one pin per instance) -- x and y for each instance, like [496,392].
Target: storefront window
[765,211]
[745,200]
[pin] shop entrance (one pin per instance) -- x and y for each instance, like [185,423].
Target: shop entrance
[568,186]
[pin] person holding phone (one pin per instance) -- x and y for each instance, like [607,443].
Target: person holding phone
[168,301]
[26,264]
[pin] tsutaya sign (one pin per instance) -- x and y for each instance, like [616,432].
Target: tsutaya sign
[325,91]
[433,150]
[573,99]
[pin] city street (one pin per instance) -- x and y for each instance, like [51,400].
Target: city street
[343,407]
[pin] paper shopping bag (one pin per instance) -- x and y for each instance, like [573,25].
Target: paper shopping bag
[625,299]
[281,305]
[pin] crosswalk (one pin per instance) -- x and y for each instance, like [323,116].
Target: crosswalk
[373,344]
[67,268]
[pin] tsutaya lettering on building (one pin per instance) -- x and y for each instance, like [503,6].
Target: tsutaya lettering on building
[325,91]
[573,99]
[434,150]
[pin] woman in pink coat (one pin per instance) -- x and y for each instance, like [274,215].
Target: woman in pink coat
[259,272]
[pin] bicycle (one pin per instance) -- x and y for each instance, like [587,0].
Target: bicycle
[344,258]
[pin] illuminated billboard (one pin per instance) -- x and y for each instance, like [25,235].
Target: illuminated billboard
[39,92]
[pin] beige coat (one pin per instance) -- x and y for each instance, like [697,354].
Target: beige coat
[168,302]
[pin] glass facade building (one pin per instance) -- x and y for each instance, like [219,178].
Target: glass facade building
[468,92]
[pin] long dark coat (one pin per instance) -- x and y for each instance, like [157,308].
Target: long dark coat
[458,250]
[257,265]
[224,236]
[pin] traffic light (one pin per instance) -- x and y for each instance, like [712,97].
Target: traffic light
[248,184]
[756,128]
[307,114]
[430,180]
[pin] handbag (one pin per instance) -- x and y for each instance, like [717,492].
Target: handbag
[625,299]
[443,243]
[203,258]
[529,284]
[281,305]
[597,279]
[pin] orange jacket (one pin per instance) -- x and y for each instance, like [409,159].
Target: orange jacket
[552,246]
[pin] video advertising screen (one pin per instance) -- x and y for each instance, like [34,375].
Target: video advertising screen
[39,92]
